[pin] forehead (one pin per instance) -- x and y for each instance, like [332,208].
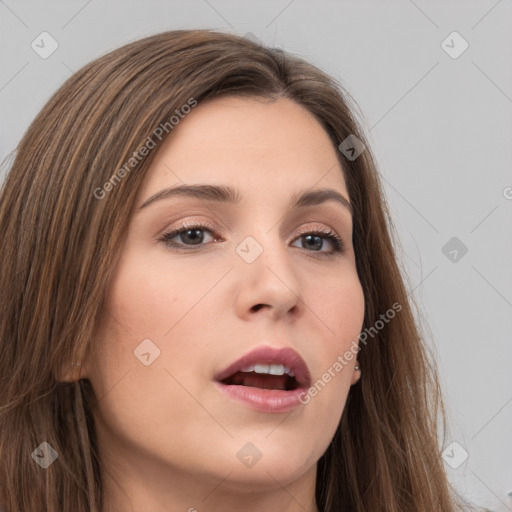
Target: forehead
[248,143]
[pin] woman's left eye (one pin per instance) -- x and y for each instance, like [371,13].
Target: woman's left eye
[317,240]
[189,237]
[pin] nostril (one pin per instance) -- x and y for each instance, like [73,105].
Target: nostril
[257,307]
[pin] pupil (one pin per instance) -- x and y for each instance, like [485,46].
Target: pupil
[193,236]
[313,241]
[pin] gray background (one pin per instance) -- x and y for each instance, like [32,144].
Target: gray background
[441,131]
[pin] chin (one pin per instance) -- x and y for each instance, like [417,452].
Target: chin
[272,473]
[251,466]
[278,463]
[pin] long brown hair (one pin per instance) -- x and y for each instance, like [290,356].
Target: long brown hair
[61,242]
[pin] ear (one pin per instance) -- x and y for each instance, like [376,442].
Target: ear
[73,372]
[356,375]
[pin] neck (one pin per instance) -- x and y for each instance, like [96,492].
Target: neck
[141,488]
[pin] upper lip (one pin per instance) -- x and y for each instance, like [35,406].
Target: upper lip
[269,355]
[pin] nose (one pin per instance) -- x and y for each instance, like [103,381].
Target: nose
[268,286]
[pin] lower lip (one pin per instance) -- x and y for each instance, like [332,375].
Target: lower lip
[264,400]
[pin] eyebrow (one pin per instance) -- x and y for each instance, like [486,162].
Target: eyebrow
[224,194]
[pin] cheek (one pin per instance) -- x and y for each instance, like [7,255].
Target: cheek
[339,303]
[350,309]
[146,304]
[172,309]
[144,301]
[341,309]
[150,297]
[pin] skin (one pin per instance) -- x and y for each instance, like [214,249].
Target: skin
[168,438]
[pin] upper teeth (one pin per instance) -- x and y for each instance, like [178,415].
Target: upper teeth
[271,369]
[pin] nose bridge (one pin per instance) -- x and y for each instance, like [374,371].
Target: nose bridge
[266,274]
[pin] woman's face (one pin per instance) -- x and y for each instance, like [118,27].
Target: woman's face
[251,264]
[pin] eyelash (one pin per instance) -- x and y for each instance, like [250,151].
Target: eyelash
[328,234]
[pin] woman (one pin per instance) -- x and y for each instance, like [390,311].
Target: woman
[201,305]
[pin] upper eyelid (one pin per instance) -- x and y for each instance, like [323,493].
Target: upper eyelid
[289,217]
[209,227]
[328,232]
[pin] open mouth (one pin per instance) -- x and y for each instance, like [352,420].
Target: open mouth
[264,376]
[267,379]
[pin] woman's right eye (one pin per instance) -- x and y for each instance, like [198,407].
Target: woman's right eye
[185,237]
